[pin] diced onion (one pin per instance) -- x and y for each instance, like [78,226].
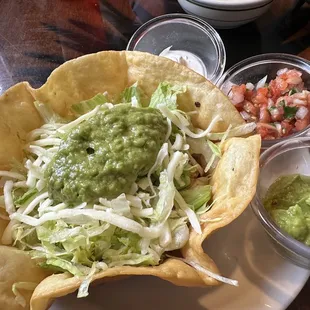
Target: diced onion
[281,71]
[301,112]
[261,83]
[227,86]
[249,86]
[278,127]
[245,115]
[299,102]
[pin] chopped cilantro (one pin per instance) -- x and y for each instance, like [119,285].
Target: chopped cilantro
[292,91]
[272,108]
[282,103]
[289,112]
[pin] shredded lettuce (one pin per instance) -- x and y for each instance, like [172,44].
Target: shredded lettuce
[83,289]
[166,95]
[133,95]
[20,200]
[137,227]
[237,131]
[88,105]
[192,216]
[47,114]
[197,196]
[67,127]
[209,273]
[200,147]
[214,148]
[75,269]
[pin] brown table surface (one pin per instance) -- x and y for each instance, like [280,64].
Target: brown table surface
[37,36]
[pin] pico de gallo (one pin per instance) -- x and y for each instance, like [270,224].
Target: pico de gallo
[279,108]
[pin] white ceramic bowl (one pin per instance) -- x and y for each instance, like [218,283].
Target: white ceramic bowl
[226,13]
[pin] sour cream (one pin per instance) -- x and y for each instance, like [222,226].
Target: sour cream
[185,58]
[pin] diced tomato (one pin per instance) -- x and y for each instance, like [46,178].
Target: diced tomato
[250,108]
[287,128]
[264,115]
[237,94]
[261,96]
[277,110]
[302,123]
[275,92]
[263,91]
[248,95]
[265,132]
[239,88]
[277,114]
[283,76]
[293,77]
[277,87]
[281,84]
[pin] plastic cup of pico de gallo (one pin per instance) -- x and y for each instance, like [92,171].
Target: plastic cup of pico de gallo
[284,158]
[272,90]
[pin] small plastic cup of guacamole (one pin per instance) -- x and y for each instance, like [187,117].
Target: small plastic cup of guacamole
[282,189]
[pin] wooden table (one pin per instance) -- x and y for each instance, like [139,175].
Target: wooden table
[37,36]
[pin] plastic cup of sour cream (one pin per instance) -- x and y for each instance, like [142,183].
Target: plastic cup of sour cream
[185,39]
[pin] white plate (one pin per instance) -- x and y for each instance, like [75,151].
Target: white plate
[241,250]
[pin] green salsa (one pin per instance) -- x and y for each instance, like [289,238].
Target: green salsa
[103,156]
[288,202]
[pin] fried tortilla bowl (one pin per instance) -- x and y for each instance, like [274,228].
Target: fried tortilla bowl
[233,180]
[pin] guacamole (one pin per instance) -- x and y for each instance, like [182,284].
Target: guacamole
[103,156]
[288,202]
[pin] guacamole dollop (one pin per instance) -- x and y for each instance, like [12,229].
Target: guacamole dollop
[288,202]
[103,156]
